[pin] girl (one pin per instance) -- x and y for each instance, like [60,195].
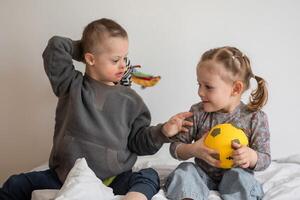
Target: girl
[223,75]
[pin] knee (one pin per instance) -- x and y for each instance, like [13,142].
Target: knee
[145,181]
[149,174]
[13,182]
[184,172]
[240,182]
[237,173]
[185,167]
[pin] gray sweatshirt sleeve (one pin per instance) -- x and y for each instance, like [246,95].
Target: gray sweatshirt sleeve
[58,63]
[260,140]
[145,139]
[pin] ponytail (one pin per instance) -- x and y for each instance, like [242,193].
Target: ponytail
[259,96]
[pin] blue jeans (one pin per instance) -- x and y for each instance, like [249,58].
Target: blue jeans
[20,187]
[189,181]
[145,181]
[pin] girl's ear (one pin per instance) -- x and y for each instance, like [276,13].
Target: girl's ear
[89,59]
[238,88]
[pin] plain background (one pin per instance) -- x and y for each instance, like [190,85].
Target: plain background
[167,38]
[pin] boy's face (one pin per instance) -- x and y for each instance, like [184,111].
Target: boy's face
[109,65]
[215,93]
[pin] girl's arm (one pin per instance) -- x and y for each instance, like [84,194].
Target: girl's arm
[197,149]
[260,140]
[257,156]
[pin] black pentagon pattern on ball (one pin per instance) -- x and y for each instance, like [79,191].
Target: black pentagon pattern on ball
[215,132]
[216,156]
[236,141]
[229,158]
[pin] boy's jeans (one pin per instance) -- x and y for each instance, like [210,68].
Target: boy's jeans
[20,187]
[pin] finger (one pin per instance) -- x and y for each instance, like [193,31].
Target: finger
[187,123]
[235,145]
[238,157]
[210,151]
[241,162]
[184,115]
[235,153]
[245,165]
[183,129]
[238,152]
[204,136]
[213,161]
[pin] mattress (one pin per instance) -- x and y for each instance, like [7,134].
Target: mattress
[280,181]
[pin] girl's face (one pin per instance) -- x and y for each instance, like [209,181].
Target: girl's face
[109,65]
[215,93]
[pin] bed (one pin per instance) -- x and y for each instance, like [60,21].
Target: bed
[281,181]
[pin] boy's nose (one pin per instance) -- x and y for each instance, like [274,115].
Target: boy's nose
[123,64]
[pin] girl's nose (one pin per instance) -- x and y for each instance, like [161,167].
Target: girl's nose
[200,92]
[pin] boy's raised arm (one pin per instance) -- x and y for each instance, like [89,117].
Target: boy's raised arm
[58,63]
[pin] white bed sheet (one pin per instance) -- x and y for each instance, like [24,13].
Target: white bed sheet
[281,181]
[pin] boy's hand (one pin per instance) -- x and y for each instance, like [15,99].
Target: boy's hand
[177,124]
[209,155]
[243,156]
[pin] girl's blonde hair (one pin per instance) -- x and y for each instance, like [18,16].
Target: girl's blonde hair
[238,64]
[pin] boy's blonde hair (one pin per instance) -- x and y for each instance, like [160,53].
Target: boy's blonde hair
[94,33]
[238,65]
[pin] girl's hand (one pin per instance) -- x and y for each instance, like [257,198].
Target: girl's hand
[243,156]
[209,155]
[177,124]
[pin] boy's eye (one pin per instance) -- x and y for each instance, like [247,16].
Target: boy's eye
[125,59]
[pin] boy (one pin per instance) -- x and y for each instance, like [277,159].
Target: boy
[108,124]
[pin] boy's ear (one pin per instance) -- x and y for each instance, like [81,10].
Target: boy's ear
[238,88]
[89,59]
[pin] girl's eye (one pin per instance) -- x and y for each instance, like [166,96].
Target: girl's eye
[209,87]
[115,61]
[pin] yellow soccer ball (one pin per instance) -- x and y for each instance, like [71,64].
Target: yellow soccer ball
[220,138]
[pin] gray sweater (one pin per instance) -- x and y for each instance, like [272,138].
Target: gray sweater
[107,125]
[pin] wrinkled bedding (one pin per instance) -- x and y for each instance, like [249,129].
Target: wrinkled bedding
[281,181]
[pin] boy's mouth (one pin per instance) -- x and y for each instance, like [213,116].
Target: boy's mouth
[120,74]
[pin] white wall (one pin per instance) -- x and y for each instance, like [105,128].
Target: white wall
[167,38]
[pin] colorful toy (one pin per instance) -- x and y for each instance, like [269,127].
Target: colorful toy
[221,137]
[139,78]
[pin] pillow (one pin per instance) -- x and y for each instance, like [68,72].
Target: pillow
[82,183]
